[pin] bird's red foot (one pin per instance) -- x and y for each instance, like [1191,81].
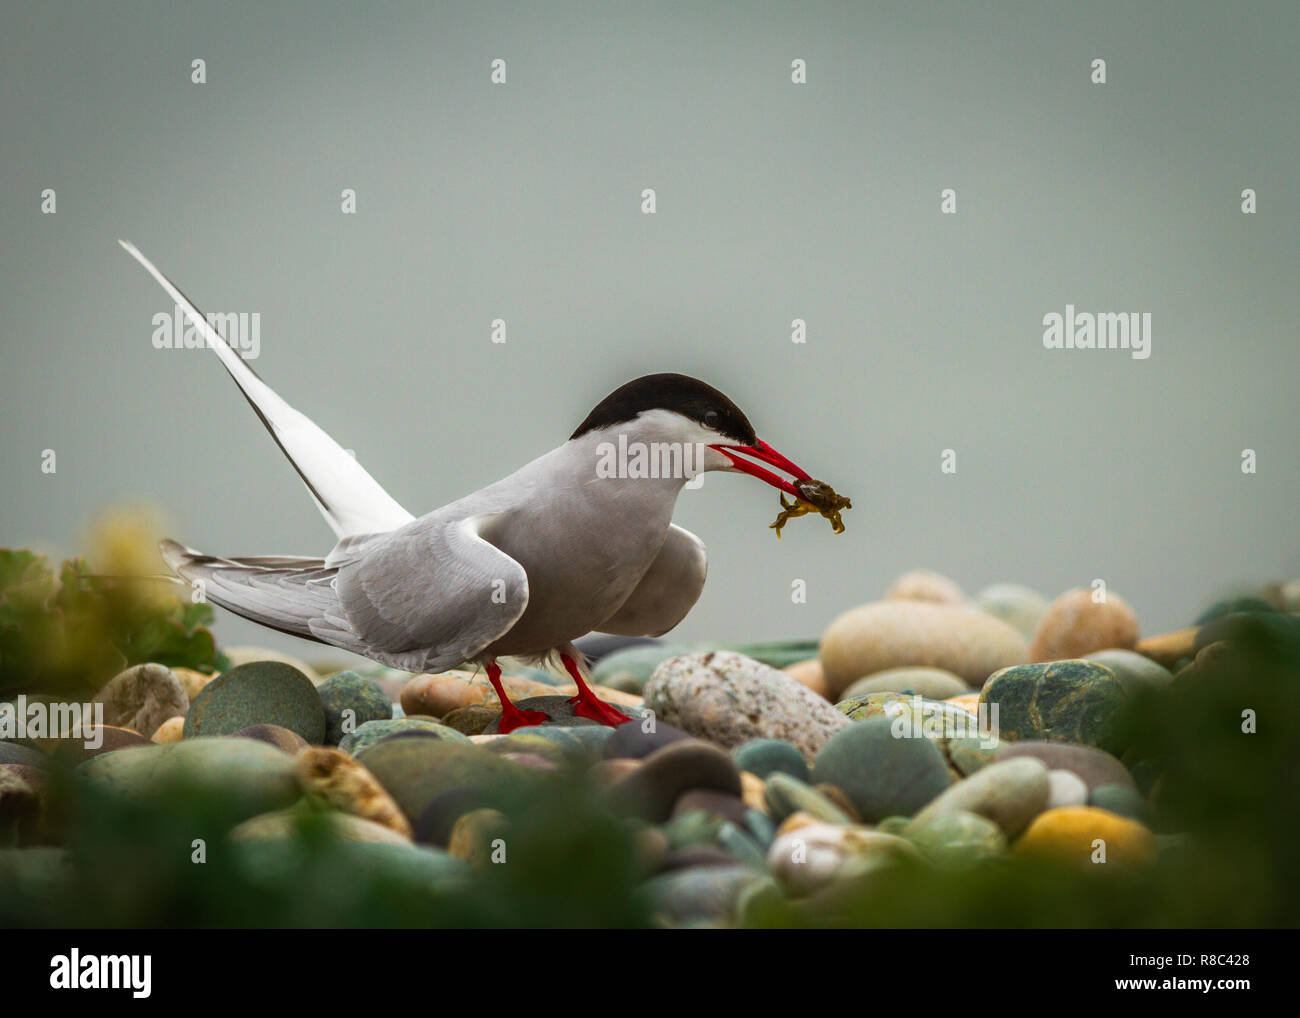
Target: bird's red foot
[598,710]
[516,718]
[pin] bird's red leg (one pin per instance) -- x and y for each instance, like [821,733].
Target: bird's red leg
[585,704]
[511,716]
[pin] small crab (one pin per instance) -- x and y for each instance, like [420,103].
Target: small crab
[814,497]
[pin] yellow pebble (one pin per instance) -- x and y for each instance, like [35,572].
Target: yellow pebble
[751,791]
[1087,836]
[967,701]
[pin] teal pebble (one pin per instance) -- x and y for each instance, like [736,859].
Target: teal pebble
[761,827]
[778,654]
[694,828]
[258,693]
[882,775]
[374,731]
[348,691]
[741,845]
[1120,800]
[540,675]
[770,756]
[629,670]
[1232,607]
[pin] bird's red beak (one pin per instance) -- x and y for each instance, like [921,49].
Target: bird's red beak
[760,450]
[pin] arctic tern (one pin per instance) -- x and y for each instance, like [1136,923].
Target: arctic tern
[520,568]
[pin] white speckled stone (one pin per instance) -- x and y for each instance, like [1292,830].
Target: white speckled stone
[142,698]
[809,857]
[728,699]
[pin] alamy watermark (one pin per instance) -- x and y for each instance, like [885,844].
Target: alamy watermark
[241,330]
[917,718]
[1106,330]
[40,720]
[75,971]
[652,460]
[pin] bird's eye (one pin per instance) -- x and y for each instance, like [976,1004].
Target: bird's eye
[711,419]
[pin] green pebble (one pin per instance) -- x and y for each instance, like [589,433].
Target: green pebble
[348,692]
[785,795]
[741,845]
[882,775]
[1073,701]
[373,732]
[958,840]
[764,757]
[1118,799]
[258,693]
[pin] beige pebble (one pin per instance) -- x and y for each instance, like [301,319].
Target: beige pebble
[243,655]
[895,634]
[1170,648]
[170,730]
[105,739]
[809,673]
[341,782]
[479,837]
[617,696]
[925,585]
[284,823]
[439,694]
[606,772]
[192,681]
[1076,624]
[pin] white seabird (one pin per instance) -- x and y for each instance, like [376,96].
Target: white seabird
[522,567]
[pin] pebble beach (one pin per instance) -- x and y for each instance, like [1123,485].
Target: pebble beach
[926,739]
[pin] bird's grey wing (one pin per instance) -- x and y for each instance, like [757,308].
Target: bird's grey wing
[283,592]
[351,501]
[436,586]
[667,591]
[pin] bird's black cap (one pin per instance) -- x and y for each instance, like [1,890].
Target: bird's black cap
[681,394]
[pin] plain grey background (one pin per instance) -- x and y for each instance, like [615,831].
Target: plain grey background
[775,201]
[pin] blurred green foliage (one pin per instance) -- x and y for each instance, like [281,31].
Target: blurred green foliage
[132,864]
[67,635]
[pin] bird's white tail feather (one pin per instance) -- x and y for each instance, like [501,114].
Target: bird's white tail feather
[351,501]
